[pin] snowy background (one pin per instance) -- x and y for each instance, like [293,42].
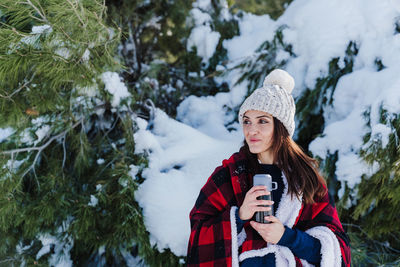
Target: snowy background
[184,152]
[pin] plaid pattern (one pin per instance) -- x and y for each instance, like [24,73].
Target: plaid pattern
[211,240]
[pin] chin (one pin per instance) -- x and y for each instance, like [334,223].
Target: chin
[255,150]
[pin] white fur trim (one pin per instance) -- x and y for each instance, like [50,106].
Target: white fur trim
[241,237]
[331,255]
[288,208]
[287,212]
[235,246]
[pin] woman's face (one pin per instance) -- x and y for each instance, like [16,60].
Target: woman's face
[258,129]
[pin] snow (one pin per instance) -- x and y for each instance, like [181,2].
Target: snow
[5,133]
[204,114]
[41,29]
[133,171]
[205,40]
[93,201]
[254,30]
[61,255]
[115,87]
[381,132]
[202,36]
[180,160]
[183,153]
[202,4]
[86,55]
[41,133]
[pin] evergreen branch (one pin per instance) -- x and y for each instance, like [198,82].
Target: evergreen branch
[13,29]
[41,14]
[70,38]
[113,125]
[18,90]
[8,260]
[39,149]
[103,10]
[101,23]
[64,153]
[76,13]
[373,240]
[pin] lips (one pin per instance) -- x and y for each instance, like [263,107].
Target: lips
[254,140]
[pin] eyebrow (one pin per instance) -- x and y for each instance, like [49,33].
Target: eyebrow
[262,116]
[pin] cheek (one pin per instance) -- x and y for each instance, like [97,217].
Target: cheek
[245,131]
[269,137]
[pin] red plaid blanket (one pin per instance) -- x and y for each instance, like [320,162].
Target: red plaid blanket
[214,241]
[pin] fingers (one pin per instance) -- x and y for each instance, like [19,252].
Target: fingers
[261,203]
[257,208]
[256,188]
[256,225]
[257,191]
[251,204]
[264,202]
[260,226]
[272,219]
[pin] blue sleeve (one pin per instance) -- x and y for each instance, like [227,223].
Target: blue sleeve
[239,222]
[302,245]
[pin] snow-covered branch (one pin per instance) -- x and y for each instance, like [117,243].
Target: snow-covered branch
[42,147]
[12,152]
[19,89]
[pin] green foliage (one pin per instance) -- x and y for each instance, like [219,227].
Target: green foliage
[379,207]
[366,251]
[65,171]
[154,50]
[371,208]
[274,8]
[310,104]
[38,67]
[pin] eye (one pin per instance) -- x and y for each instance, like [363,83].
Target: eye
[263,121]
[246,122]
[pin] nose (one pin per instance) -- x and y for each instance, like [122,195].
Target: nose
[253,129]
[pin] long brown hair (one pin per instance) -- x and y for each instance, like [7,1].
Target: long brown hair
[300,170]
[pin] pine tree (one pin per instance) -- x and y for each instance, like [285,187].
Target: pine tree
[154,50]
[68,172]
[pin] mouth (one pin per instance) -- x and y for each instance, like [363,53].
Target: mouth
[254,140]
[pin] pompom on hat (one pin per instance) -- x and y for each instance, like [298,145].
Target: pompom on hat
[275,98]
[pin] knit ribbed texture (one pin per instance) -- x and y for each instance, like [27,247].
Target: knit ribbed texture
[274,99]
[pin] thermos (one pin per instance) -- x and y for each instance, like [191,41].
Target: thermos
[266,180]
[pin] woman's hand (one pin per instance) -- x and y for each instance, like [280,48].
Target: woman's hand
[251,204]
[271,232]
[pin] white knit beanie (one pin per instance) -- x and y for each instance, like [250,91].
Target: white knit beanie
[275,98]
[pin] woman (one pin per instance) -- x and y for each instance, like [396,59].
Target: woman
[306,230]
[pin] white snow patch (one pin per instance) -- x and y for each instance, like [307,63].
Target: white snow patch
[178,168]
[5,133]
[115,87]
